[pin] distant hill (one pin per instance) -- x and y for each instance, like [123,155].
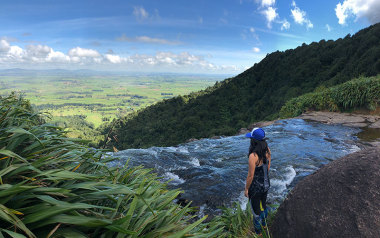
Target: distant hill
[89,72]
[49,72]
[256,94]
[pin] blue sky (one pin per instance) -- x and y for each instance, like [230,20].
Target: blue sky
[198,36]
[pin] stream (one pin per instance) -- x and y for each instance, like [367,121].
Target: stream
[212,172]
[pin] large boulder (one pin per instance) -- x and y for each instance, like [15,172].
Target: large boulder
[342,199]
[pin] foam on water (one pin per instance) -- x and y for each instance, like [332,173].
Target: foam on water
[290,175]
[170,149]
[280,184]
[201,212]
[183,149]
[243,200]
[195,162]
[175,179]
[354,148]
[176,167]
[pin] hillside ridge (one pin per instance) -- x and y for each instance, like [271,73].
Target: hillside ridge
[254,95]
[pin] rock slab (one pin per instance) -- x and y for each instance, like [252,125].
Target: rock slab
[342,199]
[347,119]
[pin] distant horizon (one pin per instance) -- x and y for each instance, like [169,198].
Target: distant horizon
[126,73]
[201,36]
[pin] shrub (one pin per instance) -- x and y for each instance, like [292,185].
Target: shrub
[356,93]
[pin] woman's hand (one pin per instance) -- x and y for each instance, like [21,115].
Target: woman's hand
[246,192]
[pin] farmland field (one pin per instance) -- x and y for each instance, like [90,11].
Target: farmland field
[98,99]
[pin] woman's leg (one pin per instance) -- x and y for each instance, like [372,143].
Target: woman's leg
[264,213]
[255,203]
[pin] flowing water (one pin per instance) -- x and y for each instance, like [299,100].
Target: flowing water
[212,172]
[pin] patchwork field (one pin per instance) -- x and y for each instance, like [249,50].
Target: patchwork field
[93,100]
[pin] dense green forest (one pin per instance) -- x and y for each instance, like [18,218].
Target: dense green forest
[256,94]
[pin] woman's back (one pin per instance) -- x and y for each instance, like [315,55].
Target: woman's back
[260,182]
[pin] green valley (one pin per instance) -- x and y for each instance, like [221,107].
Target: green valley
[83,102]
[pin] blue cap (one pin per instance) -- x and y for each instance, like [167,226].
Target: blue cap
[256,133]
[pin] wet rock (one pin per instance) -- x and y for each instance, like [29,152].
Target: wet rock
[216,137]
[358,124]
[260,124]
[243,131]
[342,118]
[191,140]
[347,119]
[372,119]
[256,124]
[182,201]
[375,124]
[343,202]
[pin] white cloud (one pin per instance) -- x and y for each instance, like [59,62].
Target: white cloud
[267,3]
[369,9]
[56,56]
[115,59]
[270,14]
[43,57]
[285,25]
[251,29]
[328,27]
[299,16]
[156,40]
[4,46]
[147,39]
[309,24]
[15,53]
[38,51]
[169,58]
[81,52]
[140,13]
[256,50]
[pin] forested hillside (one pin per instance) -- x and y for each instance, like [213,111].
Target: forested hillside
[256,94]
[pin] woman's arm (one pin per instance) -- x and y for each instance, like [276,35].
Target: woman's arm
[251,171]
[268,158]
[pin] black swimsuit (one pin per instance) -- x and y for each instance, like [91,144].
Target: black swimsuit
[260,183]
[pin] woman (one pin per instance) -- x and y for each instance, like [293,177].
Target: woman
[257,184]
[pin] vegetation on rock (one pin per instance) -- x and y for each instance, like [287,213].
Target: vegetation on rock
[356,93]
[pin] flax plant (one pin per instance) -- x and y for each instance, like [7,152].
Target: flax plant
[354,94]
[54,186]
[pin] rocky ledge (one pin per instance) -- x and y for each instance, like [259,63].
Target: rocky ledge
[346,119]
[342,199]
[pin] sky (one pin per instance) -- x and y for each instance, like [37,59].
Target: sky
[178,36]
